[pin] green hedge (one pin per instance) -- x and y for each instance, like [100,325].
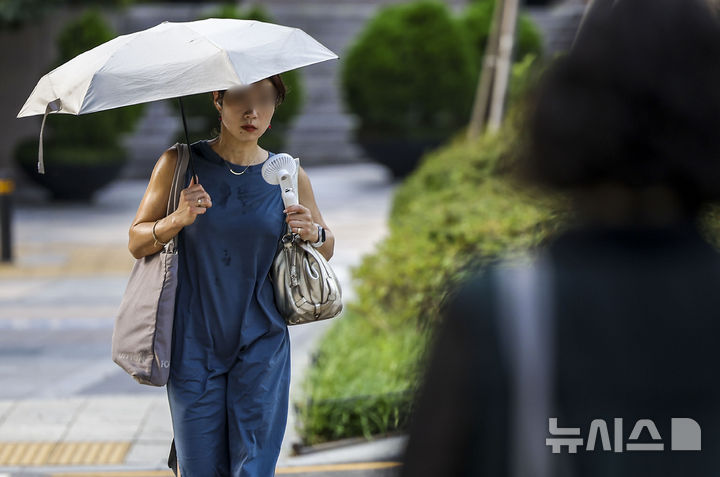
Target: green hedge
[360,380]
[456,211]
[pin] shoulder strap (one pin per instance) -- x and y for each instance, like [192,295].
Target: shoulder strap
[178,176]
[178,181]
[526,318]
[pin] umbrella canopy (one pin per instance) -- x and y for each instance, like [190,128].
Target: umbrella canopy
[169,60]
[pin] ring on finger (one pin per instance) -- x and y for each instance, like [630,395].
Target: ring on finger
[200,200]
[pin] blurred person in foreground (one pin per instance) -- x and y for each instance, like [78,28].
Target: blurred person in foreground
[627,124]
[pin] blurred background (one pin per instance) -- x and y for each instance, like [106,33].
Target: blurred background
[405,141]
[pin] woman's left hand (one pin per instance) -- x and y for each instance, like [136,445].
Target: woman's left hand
[299,216]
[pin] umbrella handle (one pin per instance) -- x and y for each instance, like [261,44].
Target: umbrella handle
[52,106]
[187,137]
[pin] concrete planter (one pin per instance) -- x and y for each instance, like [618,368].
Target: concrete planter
[400,155]
[71,174]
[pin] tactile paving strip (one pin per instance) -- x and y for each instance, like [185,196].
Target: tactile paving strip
[62,453]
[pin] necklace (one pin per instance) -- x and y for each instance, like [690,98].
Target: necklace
[240,173]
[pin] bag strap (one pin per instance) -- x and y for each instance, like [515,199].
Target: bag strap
[526,319]
[177,183]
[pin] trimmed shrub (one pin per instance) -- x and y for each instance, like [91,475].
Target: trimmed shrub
[409,73]
[365,392]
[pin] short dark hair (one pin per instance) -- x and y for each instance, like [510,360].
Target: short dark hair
[276,81]
[636,102]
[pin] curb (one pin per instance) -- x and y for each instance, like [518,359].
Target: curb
[299,449]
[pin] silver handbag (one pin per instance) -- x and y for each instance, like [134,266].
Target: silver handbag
[142,335]
[306,288]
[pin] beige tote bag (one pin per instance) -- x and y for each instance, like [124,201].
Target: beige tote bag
[142,336]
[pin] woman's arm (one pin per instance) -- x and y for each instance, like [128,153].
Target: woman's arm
[154,207]
[306,198]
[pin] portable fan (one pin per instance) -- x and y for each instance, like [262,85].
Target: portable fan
[282,169]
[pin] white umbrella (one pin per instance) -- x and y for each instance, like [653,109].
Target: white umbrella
[169,60]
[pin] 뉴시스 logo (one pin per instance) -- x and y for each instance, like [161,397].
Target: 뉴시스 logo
[685,435]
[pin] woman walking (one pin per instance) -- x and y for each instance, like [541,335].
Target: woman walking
[228,388]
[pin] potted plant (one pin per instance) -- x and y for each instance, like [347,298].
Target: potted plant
[202,117]
[410,78]
[83,152]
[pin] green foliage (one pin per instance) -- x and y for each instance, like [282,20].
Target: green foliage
[202,115]
[522,76]
[455,211]
[409,73]
[84,33]
[458,210]
[97,129]
[413,70]
[709,224]
[476,21]
[361,382]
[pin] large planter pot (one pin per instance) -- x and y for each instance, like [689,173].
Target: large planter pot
[71,173]
[400,155]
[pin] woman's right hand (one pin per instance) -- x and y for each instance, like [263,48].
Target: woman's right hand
[193,201]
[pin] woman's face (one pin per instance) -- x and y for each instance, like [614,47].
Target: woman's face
[251,105]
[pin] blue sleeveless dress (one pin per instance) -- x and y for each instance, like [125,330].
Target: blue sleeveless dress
[229,381]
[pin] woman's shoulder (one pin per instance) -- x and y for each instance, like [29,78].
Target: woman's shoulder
[171,155]
[165,164]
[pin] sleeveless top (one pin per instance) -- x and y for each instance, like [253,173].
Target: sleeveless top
[225,297]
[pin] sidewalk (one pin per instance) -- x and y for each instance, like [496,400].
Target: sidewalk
[65,407]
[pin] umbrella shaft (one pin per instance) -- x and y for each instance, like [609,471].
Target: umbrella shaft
[187,136]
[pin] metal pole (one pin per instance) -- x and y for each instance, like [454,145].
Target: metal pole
[6,188]
[484,87]
[504,63]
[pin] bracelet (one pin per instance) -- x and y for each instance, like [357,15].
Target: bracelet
[321,236]
[155,236]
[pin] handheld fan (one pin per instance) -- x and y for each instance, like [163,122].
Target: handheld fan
[282,169]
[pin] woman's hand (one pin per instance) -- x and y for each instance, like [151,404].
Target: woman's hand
[193,201]
[300,216]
